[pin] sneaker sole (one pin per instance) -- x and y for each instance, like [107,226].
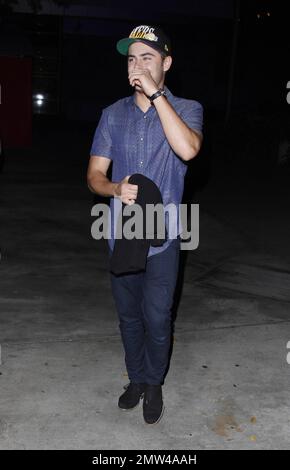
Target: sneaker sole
[159,419]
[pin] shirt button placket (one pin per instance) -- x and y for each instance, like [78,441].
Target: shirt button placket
[142,143]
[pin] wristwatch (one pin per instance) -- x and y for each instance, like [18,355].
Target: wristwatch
[155,95]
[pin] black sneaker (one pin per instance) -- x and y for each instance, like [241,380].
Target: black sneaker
[153,407]
[130,399]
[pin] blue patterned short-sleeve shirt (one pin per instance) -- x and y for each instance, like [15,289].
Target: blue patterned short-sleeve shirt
[136,143]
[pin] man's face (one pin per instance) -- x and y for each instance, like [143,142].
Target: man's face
[145,57]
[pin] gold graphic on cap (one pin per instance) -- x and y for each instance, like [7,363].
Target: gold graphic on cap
[151,37]
[143,32]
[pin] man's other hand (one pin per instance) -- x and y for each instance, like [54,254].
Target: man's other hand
[126,192]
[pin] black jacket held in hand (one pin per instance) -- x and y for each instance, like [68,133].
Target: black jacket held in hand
[131,255]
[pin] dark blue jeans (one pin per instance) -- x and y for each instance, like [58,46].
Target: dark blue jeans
[143,302]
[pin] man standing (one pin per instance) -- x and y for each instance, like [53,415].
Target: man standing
[153,133]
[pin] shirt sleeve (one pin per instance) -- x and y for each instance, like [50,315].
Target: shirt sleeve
[193,116]
[102,142]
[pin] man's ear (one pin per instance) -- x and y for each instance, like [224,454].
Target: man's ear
[167,63]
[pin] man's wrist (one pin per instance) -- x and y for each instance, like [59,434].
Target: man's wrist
[152,93]
[114,189]
[156,95]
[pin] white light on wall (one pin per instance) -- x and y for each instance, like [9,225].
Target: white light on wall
[39,97]
[39,102]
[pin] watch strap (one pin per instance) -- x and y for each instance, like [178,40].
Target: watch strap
[155,95]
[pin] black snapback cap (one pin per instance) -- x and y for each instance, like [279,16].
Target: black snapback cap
[151,35]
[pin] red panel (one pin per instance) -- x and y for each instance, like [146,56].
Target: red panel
[16,101]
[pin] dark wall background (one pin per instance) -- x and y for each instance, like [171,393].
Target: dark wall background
[78,71]
[77,67]
[94,72]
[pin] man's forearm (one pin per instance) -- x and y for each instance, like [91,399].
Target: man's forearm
[184,141]
[100,184]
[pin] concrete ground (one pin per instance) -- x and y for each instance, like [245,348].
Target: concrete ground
[62,365]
